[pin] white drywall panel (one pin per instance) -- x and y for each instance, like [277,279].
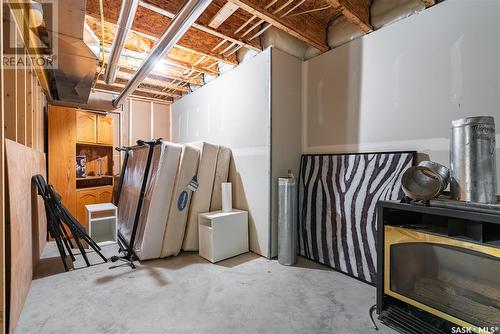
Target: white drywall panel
[234,111]
[140,125]
[400,87]
[286,147]
[161,121]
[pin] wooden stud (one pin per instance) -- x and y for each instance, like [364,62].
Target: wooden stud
[355,11]
[3,223]
[21,103]
[10,104]
[29,108]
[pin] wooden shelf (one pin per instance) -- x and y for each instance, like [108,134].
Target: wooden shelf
[94,144]
[94,177]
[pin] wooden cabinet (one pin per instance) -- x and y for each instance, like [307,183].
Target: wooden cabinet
[73,132]
[88,196]
[104,130]
[104,194]
[86,129]
[94,129]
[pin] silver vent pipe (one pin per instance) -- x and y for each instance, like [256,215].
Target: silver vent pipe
[125,20]
[181,22]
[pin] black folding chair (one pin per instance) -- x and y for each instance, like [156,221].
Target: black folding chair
[58,217]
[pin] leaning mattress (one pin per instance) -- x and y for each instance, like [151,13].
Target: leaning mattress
[159,190]
[200,201]
[184,185]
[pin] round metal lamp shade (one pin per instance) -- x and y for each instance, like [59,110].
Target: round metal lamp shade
[441,171]
[421,183]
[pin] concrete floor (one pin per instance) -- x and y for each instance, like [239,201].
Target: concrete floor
[186,294]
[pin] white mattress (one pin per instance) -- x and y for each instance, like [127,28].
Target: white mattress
[179,206]
[201,198]
[221,175]
[159,190]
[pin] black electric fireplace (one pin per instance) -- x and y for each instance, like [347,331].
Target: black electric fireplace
[438,269]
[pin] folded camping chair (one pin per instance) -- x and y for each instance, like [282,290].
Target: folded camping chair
[58,217]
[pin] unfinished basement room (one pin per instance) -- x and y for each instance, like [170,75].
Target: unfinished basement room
[250,167]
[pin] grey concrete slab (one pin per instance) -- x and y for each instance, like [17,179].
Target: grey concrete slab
[187,294]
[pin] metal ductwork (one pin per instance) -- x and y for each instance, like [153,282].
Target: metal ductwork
[77,64]
[181,22]
[125,20]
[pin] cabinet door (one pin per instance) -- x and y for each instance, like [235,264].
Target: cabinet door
[105,130]
[84,197]
[62,152]
[86,127]
[104,195]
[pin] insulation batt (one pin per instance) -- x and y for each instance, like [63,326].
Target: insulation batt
[284,42]
[385,12]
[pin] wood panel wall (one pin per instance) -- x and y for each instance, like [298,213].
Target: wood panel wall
[22,103]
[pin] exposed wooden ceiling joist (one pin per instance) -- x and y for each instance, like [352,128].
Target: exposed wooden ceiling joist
[304,27]
[169,8]
[223,14]
[152,23]
[142,43]
[355,11]
[152,80]
[143,88]
[165,77]
[102,87]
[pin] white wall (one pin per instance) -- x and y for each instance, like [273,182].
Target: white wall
[286,83]
[234,111]
[399,88]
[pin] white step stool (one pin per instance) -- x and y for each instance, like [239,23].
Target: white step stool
[101,221]
[222,234]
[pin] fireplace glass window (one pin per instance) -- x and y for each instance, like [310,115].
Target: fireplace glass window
[457,281]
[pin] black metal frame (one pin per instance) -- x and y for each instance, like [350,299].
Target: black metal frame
[58,219]
[127,248]
[124,165]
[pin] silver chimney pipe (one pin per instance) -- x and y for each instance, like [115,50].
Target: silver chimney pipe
[181,22]
[125,20]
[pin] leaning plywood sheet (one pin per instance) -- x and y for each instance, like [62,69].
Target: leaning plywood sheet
[26,223]
[221,175]
[200,202]
[179,206]
[159,190]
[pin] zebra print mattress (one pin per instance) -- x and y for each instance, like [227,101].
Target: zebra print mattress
[337,207]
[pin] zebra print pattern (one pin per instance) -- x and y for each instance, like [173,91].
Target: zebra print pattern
[337,207]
